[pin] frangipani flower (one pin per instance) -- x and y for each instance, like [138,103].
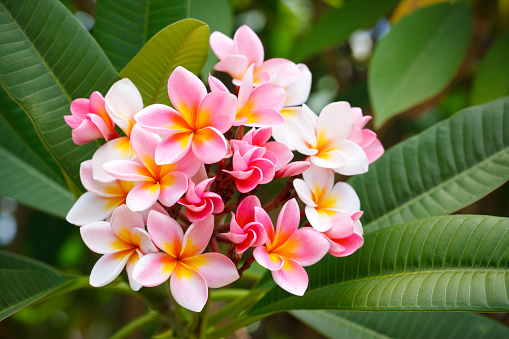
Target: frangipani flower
[325,141]
[123,242]
[200,203]
[345,235]
[364,137]
[323,198]
[191,272]
[198,123]
[289,248]
[245,50]
[89,120]
[245,231]
[100,200]
[258,106]
[166,183]
[122,102]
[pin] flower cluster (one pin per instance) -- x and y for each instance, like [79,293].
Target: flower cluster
[172,183]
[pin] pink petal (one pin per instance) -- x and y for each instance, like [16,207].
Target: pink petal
[306,247]
[90,207]
[108,267]
[173,187]
[246,209]
[107,190]
[209,145]
[235,238]
[265,117]
[124,221]
[346,246]
[122,102]
[186,92]
[197,237]
[199,214]
[189,165]
[154,268]
[100,238]
[282,152]
[221,45]
[287,71]
[263,218]
[129,268]
[216,268]
[160,119]
[116,149]
[292,278]
[267,96]
[248,184]
[143,196]
[258,137]
[173,148]
[249,44]
[166,233]
[246,87]
[86,132]
[128,170]
[374,150]
[287,223]
[189,288]
[270,261]
[216,85]
[234,65]
[144,145]
[79,109]
[202,186]
[106,130]
[292,169]
[217,110]
[142,240]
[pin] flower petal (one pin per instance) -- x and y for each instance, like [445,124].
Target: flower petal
[356,159]
[173,148]
[246,209]
[124,221]
[263,218]
[344,197]
[144,145]
[143,196]
[221,44]
[154,268]
[298,91]
[197,237]
[216,85]
[189,288]
[287,223]
[142,240]
[90,207]
[116,149]
[102,189]
[218,110]
[166,233]
[216,268]
[127,170]
[129,268]
[100,238]
[186,92]
[292,278]
[173,187]
[122,102]
[320,222]
[304,192]
[108,267]
[306,247]
[160,119]
[249,44]
[335,120]
[235,65]
[270,261]
[209,145]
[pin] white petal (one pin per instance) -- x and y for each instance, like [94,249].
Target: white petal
[356,159]
[122,102]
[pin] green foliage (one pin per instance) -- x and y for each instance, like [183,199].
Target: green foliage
[418,58]
[184,43]
[336,25]
[47,62]
[122,27]
[23,281]
[451,263]
[491,81]
[439,171]
[402,325]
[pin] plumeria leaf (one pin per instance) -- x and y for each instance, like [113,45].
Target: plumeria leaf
[418,58]
[490,80]
[342,21]
[402,325]
[46,63]
[184,43]
[439,171]
[450,263]
[23,281]
[24,177]
[123,27]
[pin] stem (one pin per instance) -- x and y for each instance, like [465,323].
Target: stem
[246,265]
[144,320]
[281,198]
[227,294]
[231,327]
[213,244]
[203,321]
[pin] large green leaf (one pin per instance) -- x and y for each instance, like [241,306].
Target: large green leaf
[47,59]
[402,325]
[439,171]
[27,179]
[336,25]
[122,27]
[491,80]
[23,281]
[184,43]
[418,58]
[451,263]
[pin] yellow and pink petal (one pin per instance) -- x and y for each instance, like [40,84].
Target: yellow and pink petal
[216,268]
[166,233]
[100,238]
[108,267]
[154,269]
[292,278]
[189,288]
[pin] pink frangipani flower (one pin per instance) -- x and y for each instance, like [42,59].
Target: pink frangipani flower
[123,242]
[200,203]
[364,137]
[191,272]
[323,198]
[245,231]
[198,123]
[345,235]
[258,106]
[89,120]
[166,183]
[289,248]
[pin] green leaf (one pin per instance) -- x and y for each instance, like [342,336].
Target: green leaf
[336,25]
[122,27]
[184,43]
[48,59]
[451,263]
[440,170]
[491,80]
[402,325]
[418,58]
[23,281]
[27,179]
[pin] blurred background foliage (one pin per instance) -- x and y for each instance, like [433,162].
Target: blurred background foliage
[338,40]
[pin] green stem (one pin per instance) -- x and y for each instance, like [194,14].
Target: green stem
[227,294]
[234,308]
[131,327]
[231,327]
[203,321]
